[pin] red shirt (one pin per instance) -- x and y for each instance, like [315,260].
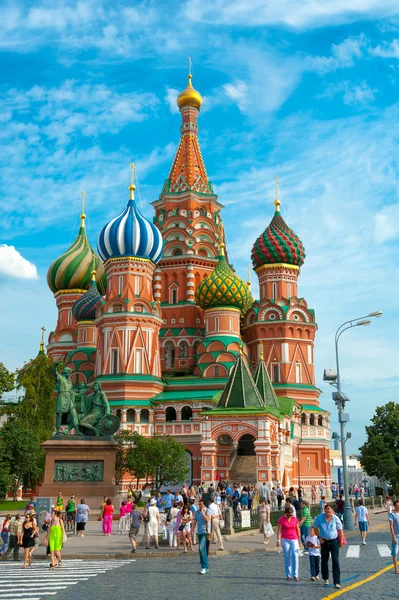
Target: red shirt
[288,528]
[108,509]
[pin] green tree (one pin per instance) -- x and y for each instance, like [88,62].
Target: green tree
[6,380]
[380,453]
[159,459]
[37,405]
[5,477]
[21,451]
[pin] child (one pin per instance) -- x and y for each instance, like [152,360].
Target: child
[123,525]
[312,543]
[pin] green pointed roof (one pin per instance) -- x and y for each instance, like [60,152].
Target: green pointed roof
[264,385]
[240,390]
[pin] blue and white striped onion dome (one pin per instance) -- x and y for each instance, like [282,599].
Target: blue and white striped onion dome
[130,234]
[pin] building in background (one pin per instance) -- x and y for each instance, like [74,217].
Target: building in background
[179,345]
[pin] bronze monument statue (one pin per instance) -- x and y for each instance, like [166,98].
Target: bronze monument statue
[93,417]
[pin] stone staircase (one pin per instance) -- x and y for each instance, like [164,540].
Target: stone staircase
[244,470]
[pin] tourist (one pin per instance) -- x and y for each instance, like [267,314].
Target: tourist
[362,492]
[244,498]
[356,492]
[159,504]
[107,514]
[211,492]
[329,530]
[152,514]
[312,544]
[322,504]
[223,498]
[201,519]
[123,525]
[14,539]
[70,510]
[216,516]
[193,509]
[300,493]
[289,536]
[235,497]
[273,498]
[55,538]
[173,512]
[251,495]
[263,492]
[305,523]
[59,505]
[218,497]
[192,493]
[186,518]
[82,516]
[313,494]
[229,493]
[321,488]
[280,496]
[31,505]
[340,507]
[29,532]
[179,498]
[264,520]
[362,517]
[129,508]
[388,504]
[4,534]
[289,504]
[135,519]
[167,502]
[201,488]
[393,519]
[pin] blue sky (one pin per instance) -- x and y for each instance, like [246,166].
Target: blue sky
[308,93]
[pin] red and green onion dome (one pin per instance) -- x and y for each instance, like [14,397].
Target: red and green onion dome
[84,308]
[278,244]
[73,269]
[223,288]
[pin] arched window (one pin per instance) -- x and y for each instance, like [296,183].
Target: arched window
[202,252]
[183,350]
[275,373]
[174,296]
[311,420]
[274,291]
[131,415]
[114,361]
[144,416]
[177,252]
[169,355]
[186,413]
[298,372]
[170,414]
[303,419]
[119,414]
[320,421]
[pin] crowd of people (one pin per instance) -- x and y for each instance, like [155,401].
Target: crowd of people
[188,517]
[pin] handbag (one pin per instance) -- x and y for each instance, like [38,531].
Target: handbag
[222,524]
[64,538]
[182,526]
[268,529]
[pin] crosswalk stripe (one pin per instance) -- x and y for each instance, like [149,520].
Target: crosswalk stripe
[353,551]
[384,550]
[38,581]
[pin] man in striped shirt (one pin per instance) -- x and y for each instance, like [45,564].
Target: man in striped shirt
[14,532]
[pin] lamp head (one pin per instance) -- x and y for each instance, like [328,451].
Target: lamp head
[334,435]
[348,435]
[364,322]
[330,375]
[376,313]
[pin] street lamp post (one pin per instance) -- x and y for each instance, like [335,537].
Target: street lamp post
[340,402]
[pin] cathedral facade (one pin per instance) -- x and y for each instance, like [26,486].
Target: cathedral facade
[160,319]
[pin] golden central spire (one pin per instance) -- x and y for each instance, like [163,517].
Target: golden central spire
[277,200]
[83,216]
[132,187]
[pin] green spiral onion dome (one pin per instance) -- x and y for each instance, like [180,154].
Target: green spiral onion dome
[73,269]
[278,244]
[223,288]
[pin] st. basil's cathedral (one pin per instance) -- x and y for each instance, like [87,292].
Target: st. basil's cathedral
[178,343]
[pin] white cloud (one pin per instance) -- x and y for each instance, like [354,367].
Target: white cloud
[307,13]
[342,55]
[171,99]
[353,94]
[387,224]
[387,50]
[13,264]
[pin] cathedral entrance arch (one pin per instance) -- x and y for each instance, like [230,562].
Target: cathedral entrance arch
[246,445]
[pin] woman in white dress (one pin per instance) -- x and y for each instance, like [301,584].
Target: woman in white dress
[152,513]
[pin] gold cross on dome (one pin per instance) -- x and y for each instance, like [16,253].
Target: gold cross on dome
[190,67]
[83,202]
[277,200]
[133,168]
[43,330]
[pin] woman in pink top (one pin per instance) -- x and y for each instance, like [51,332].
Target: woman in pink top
[129,509]
[289,536]
[108,511]
[122,527]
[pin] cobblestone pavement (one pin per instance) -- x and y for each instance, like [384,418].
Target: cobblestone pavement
[251,575]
